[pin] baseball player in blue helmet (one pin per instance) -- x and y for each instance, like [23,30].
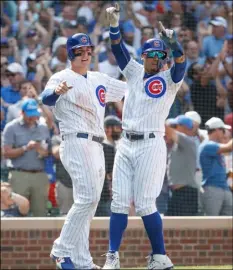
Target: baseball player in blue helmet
[140,161]
[79,98]
[155,51]
[75,42]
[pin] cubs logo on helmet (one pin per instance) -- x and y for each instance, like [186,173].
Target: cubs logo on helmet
[100,94]
[155,87]
[83,40]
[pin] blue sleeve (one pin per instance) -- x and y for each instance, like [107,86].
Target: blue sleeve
[178,69]
[49,97]
[119,50]
[121,54]
[211,149]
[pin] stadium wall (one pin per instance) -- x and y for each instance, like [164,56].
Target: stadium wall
[26,242]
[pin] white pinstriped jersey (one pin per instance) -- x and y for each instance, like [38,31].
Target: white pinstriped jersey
[147,102]
[82,108]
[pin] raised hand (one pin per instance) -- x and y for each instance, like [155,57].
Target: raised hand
[113,15]
[62,88]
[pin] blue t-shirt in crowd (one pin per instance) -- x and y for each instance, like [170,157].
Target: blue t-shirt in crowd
[9,95]
[213,165]
[212,46]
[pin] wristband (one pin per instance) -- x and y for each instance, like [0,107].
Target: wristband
[114,33]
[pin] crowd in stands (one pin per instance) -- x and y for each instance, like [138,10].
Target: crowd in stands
[199,178]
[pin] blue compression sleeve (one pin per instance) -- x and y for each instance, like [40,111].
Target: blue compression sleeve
[49,97]
[178,69]
[119,50]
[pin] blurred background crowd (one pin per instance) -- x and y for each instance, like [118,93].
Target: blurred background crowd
[33,47]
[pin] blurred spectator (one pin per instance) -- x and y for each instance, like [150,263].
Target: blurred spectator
[112,126]
[147,32]
[12,204]
[182,168]
[10,94]
[69,28]
[25,144]
[9,49]
[109,66]
[203,90]
[64,190]
[59,53]
[192,54]
[4,80]
[212,45]
[185,35]
[228,159]
[216,196]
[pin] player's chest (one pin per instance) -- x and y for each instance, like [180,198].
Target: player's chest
[151,90]
[89,91]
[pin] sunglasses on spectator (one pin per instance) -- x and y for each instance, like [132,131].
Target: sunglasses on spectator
[159,54]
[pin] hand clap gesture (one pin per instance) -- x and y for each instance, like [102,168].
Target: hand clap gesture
[62,88]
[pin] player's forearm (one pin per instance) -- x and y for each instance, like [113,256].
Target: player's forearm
[118,48]
[49,97]
[178,70]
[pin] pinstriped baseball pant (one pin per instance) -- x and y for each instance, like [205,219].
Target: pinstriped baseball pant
[138,174]
[84,161]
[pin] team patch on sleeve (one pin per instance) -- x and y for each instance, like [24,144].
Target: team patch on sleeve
[155,87]
[100,93]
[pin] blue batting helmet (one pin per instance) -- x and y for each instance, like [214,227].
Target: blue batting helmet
[77,41]
[154,44]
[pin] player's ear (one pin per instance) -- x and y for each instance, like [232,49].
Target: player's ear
[143,57]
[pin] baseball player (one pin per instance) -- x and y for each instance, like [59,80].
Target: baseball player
[140,159]
[79,97]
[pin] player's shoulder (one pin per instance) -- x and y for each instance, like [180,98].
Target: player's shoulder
[61,73]
[97,75]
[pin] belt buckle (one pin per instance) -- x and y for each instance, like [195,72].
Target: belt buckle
[130,136]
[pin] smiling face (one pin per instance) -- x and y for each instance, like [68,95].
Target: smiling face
[83,57]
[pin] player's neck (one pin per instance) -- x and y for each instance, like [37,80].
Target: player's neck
[79,70]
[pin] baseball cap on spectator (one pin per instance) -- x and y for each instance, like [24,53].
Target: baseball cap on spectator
[219,21]
[31,33]
[214,123]
[82,20]
[15,68]
[30,107]
[195,116]
[59,42]
[181,120]
[4,42]
[150,5]
[69,24]
[112,120]
[31,56]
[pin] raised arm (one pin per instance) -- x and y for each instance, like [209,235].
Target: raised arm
[118,48]
[169,38]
